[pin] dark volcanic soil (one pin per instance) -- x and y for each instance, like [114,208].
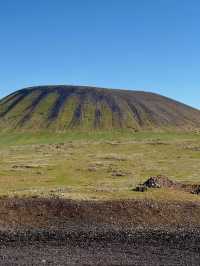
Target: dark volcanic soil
[111,248]
[98,254]
[63,232]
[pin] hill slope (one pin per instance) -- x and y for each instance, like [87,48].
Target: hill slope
[74,107]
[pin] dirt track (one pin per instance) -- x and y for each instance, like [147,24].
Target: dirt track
[97,254]
[101,248]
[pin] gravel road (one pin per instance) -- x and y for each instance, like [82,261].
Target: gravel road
[108,254]
[150,248]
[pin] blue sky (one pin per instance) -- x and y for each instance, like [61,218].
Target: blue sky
[133,44]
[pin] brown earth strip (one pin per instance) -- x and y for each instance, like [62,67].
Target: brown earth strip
[39,231]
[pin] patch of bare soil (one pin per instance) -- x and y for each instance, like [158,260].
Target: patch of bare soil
[164,182]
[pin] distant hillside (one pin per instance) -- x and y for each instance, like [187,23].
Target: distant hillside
[62,108]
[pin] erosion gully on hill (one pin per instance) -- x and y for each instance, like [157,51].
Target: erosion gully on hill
[36,231]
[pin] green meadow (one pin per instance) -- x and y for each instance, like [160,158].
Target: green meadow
[97,165]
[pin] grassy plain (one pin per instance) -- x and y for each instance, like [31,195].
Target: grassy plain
[97,165]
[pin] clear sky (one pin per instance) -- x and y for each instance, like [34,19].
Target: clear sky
[151,45]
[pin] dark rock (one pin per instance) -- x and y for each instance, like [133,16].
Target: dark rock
[141,188]
[158,182]
[196,190]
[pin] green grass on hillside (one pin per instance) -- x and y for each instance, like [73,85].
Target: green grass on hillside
[60,108]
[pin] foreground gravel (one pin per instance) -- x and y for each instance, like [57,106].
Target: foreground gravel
[111,248]
[98,254]
[63,232]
